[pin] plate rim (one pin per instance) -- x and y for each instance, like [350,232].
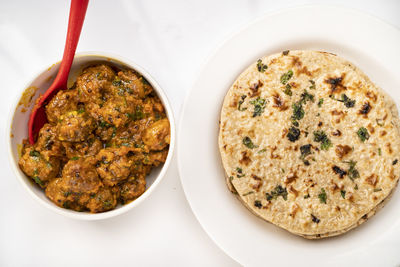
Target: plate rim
[212,55]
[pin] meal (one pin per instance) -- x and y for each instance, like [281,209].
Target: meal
[309,143]
[103,137]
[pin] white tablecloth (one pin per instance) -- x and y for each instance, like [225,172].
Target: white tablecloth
[171,39]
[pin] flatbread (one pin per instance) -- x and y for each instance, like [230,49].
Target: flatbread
[309,143]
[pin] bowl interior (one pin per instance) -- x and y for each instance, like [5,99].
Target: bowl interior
[19,130]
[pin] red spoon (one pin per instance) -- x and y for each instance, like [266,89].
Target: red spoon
[38,116]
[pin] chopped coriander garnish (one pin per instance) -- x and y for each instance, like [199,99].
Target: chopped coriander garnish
[305,96]
[286,77]
[293,134]
[107,204]
[260,66]
[306,196]
[248,193]
[315,219]
[240,173]
[103,124]
[322,196]
[363,134]
[257,203]
[377,189]
[283,170]
[343,193]
[356,187]
[74,158]
[278,191]
[35,154]
[320,102]
[339,171]
[305,151]
[349,103]
[259,105]
[380,122]
[262,151]
[312,86]
[288,90]
[38,181]
[241,102]
[247,142]
[137,114]
[320,136]
[117,82]
[298,111]
[379,151]
[352,172]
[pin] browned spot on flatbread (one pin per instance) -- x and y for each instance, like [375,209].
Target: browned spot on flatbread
[254,89]
[328,53]
[296,62]
[336,84]
[372,96]
[338,113]
[273,61]
[342,150]
[334,186]
[245,158]
[294,210]
[225,147]
[279,102]
[284,132]
[293,191]
[350,196]
[305,71]
[372,180]
[365,109]
[291,178]
[370,128]
[336,133]
[273,155]
[392,176]
[258,183]
[234,103]
[383,133]
[389,148]
[294,84]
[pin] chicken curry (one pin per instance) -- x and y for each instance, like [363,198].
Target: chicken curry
[103,137]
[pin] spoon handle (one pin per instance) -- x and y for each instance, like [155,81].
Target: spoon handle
[76,18]
[38,116]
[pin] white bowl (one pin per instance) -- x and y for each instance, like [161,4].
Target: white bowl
[17,131]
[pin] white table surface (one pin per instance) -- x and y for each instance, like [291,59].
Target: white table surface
[171,39]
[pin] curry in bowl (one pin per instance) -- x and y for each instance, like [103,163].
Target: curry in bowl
[103,137]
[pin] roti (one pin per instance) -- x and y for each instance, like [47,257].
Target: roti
[309,143]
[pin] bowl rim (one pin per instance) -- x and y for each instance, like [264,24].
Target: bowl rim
[114,212]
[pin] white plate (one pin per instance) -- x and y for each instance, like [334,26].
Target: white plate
[366,41]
